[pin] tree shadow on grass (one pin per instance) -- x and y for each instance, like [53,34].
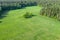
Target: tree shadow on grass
[0,21]
[3,14]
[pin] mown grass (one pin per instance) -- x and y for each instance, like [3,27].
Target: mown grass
[16,27]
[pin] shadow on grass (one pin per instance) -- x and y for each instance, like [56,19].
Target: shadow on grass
[27,17]
[3,14]
[0,21]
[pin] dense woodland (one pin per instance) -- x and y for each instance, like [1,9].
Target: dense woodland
[51,9]
[15,5]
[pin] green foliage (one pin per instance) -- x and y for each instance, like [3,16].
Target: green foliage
[28,15]
[52,11]
[16,4]
[50,8]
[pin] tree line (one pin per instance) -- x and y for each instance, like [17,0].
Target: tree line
[51,8]
[15,5]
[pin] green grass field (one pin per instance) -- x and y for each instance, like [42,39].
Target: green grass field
[16,27]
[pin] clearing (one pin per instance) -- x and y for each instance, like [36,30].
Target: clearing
[16,27]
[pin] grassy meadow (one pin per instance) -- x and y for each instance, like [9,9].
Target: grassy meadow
[15,27]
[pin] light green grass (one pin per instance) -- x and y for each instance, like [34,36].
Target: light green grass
[16,27]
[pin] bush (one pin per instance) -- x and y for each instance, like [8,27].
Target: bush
[28,15]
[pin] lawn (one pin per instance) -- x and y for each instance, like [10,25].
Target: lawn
[16,27]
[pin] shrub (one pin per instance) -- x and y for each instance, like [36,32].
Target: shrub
[28,15]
